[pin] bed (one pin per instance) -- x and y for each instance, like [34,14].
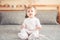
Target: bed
[10,23]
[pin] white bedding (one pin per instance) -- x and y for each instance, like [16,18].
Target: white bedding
[9,32]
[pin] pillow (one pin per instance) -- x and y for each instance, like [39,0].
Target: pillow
[17,17]
[47,17]
[12,17]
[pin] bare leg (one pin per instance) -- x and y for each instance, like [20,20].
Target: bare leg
[28,36]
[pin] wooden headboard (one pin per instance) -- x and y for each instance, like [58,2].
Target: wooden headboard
[21,7]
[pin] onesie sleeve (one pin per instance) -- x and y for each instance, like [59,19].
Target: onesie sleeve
[38,23]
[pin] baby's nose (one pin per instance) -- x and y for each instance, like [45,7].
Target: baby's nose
[30,12]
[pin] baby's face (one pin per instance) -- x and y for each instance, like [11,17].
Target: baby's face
[31,12]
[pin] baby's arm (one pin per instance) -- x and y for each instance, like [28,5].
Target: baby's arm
[38,25]
[38,28]
[23,25]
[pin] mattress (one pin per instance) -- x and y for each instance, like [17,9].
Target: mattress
[9,32]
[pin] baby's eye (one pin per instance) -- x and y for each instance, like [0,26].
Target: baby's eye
[28,11]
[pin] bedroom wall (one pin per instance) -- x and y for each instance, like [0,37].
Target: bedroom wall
[30,1]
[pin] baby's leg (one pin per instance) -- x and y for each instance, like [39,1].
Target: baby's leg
[35,33]
[23,34]
[28,36]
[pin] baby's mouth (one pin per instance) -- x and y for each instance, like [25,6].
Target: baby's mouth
[30,14]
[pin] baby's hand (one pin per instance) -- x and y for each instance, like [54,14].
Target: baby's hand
[37,28]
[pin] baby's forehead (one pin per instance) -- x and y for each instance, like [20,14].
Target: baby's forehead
[32,8]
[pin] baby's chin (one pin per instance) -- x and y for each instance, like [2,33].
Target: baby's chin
[31,16]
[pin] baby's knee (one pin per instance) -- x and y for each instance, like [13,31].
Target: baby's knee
[36,34]
[23,35]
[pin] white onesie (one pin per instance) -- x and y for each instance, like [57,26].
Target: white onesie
[31,24]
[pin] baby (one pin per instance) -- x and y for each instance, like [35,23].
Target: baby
[31,24]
